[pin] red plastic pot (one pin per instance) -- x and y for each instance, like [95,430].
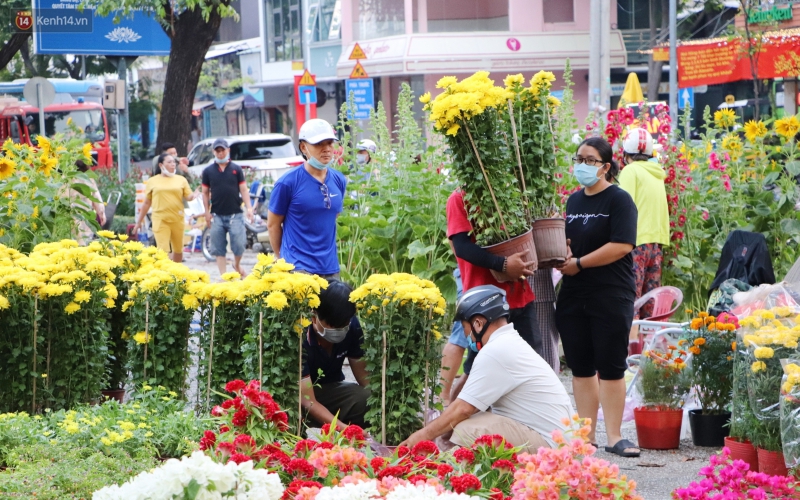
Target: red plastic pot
[118,394]
[658,429]
[744,451]
[772,463]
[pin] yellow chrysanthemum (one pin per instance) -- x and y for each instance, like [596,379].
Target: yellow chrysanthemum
[512,81]
[754,130]
[231,276]
[543,79]
[141,338]
[758,366]
[724,118]
[446,81]
[763,353]
[7,168]
[277,300]
[787,127]
[72,307]
[425,98]
[82,296]
[4,303]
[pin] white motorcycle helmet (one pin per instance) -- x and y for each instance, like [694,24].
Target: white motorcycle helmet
[638,141]
[367,145]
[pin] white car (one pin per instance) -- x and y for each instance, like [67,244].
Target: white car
[269,155]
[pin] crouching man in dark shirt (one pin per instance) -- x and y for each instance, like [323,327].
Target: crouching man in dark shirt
[334,334]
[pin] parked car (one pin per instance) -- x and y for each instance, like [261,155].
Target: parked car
[269,155]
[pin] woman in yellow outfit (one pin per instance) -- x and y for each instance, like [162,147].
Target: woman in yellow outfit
[166,192]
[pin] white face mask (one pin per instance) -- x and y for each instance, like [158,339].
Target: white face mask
[361,159]
[167,173]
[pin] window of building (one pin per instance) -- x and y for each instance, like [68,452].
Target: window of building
[633,15]
[325,19]
[284,42]
[379,18]
[466,15]
[558,11]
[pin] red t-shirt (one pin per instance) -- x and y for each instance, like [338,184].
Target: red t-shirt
[518,294]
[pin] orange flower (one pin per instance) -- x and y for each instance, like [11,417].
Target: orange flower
[696,324]
[733,345]
[703,314]
[699,341]
[694,350]
[713,326]
[678,361]
[671,347]
[710,319]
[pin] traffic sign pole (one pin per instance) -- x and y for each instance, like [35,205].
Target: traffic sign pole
[40,98]
[308,105]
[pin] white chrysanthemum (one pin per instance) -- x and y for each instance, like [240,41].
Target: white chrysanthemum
[215,480]
[366,490]
[423,491]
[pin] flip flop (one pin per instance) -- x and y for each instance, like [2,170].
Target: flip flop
[621,446]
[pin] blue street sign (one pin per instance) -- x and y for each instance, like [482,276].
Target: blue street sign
[307,94]
[364,96]
[56,21]
[687,98]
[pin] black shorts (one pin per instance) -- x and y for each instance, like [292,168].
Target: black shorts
[526,324]
[594,332]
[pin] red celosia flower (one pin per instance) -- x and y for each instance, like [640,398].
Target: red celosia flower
[240,417]
[425,448]
[326,429]
[208,440]
[217,411]
[416,478]
[223,429]
[492,440]
[240,458]
[244,443]
[444,469]
[496,494]
[506,465]
[235,385]
[254,385]
[304,446]
[402,451]
[354,433]
[291,491]
[464,455]
[299,467]
[226,449]
[281,420]
[325,445]
[395,471]
[465,483]
[377,463]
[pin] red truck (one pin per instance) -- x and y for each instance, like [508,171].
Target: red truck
[20,122]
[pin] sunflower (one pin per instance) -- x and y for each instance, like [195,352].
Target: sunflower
[724,118]
[754,130]
[87,151]
[7,168]
[787,127]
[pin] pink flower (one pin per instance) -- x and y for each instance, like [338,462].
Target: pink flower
[705,214]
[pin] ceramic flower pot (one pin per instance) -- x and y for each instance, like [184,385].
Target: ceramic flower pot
[772,463]
[658,429]
[117,394]
[743,450]
[709,430]
[551,242]
[521,243]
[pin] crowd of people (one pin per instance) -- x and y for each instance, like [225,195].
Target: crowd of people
[509,319]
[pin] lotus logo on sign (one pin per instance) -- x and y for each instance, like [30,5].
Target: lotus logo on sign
[123,35]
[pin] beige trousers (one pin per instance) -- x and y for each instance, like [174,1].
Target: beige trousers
[485,422]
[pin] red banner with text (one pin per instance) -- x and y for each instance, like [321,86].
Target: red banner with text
[728,61]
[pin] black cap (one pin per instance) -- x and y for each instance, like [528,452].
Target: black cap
[220,143]
[488,300]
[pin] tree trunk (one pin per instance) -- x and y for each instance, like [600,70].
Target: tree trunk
[24,51]
[191,39]
[12,46]
[654,68]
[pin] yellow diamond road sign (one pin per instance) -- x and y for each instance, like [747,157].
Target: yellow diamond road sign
[307,79]
[357,53]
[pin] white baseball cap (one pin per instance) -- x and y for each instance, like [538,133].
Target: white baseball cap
[367,145]
[316,130]
[638,141]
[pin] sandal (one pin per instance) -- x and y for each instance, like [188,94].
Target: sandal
[621,446]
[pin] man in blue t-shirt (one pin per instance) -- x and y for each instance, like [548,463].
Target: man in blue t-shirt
[304,205]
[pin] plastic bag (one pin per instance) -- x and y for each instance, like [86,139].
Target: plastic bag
[741,414]
[765,297]
[790,412]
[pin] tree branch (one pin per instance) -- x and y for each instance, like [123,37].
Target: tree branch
[12,46]
[24,51]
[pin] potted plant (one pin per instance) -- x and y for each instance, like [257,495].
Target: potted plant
[530,116]
[738,440]
[663,383]
[712,341]
[473,117]
[790,414]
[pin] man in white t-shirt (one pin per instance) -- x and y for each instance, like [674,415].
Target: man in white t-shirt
[511,390]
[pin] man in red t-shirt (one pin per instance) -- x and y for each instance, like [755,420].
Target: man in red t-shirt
[475,265]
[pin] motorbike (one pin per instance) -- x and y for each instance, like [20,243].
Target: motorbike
[256,234]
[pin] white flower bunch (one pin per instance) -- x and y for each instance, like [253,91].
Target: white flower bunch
[180,479]
[368,490]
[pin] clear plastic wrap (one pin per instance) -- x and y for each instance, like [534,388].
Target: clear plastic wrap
[741,414]
[766,297]
[790,412]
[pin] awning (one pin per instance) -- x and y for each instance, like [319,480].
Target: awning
[468,52]
[229,48]
[198,105]
[251,102]
[286,82]
[234,104]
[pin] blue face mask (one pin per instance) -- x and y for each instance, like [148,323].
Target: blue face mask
[318,164]
[473,346]
[586,174]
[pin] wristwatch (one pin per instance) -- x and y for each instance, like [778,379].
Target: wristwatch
[578,263]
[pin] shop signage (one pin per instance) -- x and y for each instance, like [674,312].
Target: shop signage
[775,14]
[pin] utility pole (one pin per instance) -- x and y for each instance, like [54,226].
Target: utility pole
[605,54]
[307,34]
[594,55]
[123,119]
[673,64]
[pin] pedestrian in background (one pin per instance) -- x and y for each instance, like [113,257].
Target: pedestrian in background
[305,203]
[170,149]
[644,181]
[453,352]
[594,310]
[224,190]
[166,193]
[544,301]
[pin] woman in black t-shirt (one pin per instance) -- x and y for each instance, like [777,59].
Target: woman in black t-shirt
[595,305]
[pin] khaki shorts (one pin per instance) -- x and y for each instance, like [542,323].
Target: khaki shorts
[485,422]
[169,234]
